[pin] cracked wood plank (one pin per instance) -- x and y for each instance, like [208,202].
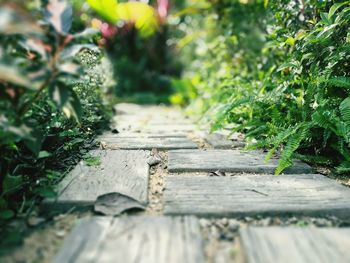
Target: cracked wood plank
[227,161]
[290,245]
[124,172]
[251,195]
[146,239]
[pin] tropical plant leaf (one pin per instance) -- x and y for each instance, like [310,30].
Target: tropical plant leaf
[143,15]
[105,8]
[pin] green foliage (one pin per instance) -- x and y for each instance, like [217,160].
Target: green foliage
[277,71]
[51,104]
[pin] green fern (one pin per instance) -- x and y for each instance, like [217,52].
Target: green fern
[344,167]
[278,140]
[340,82]
[291,146]
[345,110]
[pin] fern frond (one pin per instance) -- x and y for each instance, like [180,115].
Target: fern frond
[344,108]
[313,159]
[291,146]
[344,167]
[339,82]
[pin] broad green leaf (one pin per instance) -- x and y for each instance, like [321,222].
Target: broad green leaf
[107,9]
[325,20]
[334,9]
[11,183]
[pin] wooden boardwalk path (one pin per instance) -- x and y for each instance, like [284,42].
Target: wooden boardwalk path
[207,192]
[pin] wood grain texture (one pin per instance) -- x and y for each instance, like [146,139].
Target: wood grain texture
[145,239]
[291,245]
[124,172]
[162,143]
[227,161]
[251,195]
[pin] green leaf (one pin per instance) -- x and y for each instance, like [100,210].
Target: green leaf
[46,192]
[6,214]
[43,154]
[12,184]
[345,110]
[334,9]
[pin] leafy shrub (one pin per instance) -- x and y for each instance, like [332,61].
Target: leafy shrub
[279,72]
[50,111]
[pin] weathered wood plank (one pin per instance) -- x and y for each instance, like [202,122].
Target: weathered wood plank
[141,135]
[227,161]
[163,128]
[124,172]
[220,141]
[290,245]
[144,239]
[247,195]
[163,143]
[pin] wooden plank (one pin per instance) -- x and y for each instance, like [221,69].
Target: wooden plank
[251,195]
[290,245]
[124,172]
[141,135]
[163,143]
[227,161]
[144,239]
[220,141]
[163,128]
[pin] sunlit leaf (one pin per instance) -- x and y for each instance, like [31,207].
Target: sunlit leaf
[105,8]
[59,14]
[143,15]
[334,9]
